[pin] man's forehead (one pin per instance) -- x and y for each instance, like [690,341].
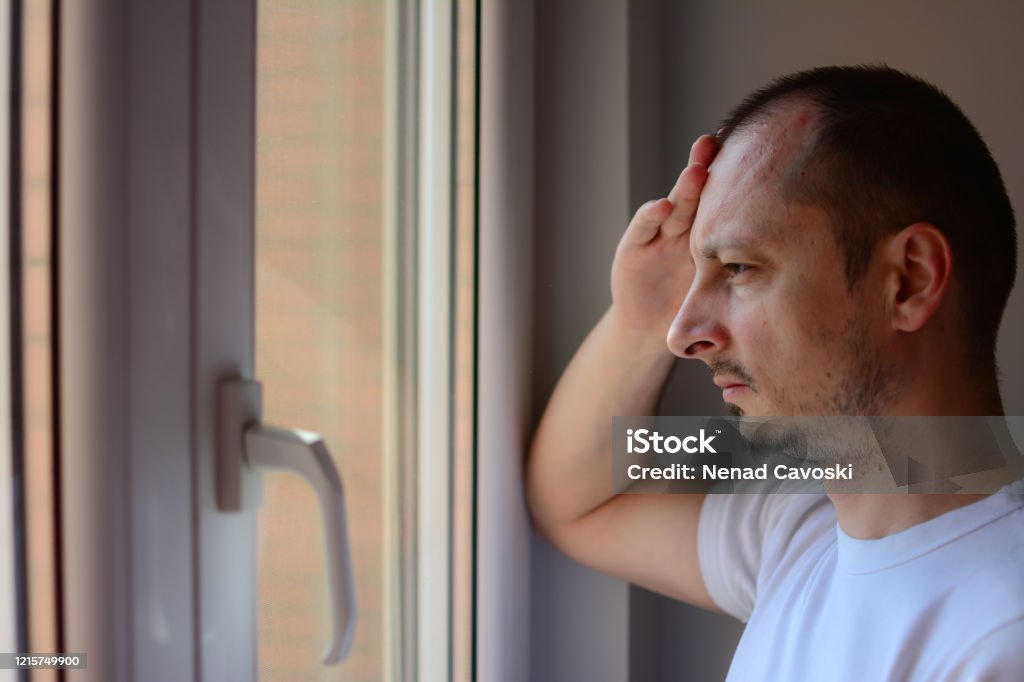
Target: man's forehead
[742,204]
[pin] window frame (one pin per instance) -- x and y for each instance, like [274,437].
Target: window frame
[156,218]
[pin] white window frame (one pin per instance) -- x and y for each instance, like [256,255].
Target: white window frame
[8,616]
[434,229]
[506,220]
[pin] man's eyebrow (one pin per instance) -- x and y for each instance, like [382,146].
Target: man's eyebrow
[710,249]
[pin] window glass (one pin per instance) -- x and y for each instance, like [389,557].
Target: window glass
[321,323]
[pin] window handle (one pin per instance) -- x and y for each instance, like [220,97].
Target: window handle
[246,447]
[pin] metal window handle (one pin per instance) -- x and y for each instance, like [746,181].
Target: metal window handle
[246,447]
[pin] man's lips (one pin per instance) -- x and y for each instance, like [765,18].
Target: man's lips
[730,388]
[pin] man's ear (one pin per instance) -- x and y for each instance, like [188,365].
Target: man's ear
[920,262]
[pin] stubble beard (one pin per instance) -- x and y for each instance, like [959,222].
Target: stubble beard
[866,387]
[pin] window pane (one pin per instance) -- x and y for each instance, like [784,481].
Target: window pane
[321,323]
[34,451]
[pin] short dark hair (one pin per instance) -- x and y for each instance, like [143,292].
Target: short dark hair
[889,150]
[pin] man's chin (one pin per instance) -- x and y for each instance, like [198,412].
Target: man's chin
[750,406]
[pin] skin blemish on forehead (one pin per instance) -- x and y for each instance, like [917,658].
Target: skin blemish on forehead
[792,124]
[801,120]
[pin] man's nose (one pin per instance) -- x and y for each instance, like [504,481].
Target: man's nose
[696,332]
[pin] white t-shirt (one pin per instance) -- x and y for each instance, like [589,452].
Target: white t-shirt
[942,600]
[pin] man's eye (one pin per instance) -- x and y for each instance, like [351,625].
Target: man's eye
[736,268]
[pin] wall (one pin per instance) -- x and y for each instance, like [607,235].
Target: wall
[579,618]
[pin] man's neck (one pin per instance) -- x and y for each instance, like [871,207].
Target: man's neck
[879,514]
[869,516]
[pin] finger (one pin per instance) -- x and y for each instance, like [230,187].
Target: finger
[703,150]
[685,196]
[648,218]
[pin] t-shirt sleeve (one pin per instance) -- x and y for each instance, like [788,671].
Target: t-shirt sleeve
[996,657]
[741,537]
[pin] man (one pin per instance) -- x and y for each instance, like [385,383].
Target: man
[843,246]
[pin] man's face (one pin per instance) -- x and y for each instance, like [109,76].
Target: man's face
[769,310]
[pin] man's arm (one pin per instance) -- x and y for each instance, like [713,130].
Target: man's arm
[620,369]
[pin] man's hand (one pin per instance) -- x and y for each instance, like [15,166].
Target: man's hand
[653,268]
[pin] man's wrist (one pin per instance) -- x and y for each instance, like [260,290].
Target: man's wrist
[643,341]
